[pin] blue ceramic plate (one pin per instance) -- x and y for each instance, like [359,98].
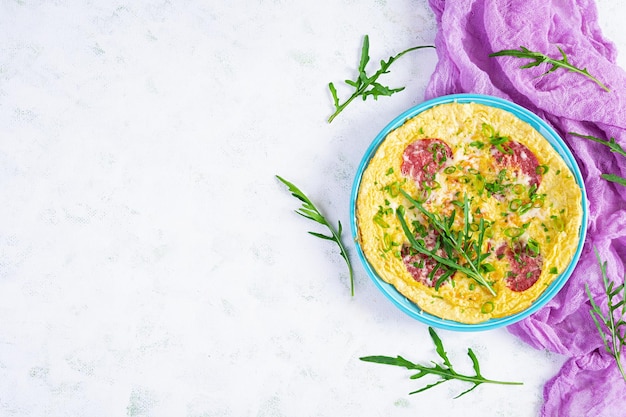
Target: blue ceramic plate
[557,143]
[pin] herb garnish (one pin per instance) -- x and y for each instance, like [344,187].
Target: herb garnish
[311,212]
[365,86]
[614,337]
[615,147]
[539,58]
[495,139]
[444,371]
[469,250]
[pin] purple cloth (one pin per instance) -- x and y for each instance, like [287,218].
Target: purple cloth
[589,383]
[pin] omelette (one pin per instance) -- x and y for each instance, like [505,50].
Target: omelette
[468,212]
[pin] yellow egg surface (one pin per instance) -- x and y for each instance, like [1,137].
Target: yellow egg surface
[468,212]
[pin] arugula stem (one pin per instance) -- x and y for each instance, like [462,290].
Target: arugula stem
[444,369]
[472,271]
[466,378]
[309,211]
[613,339]
[614,147]
[368,86]
[616,347]
[415,245]
[343,106]
[538,58]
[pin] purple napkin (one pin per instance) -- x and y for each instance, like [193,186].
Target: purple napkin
[589,384]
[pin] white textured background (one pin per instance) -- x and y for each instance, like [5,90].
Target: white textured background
[151,264]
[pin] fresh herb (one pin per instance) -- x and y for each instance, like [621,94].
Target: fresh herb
[311,212]
[615,147]
[365,86]
[614,337]
[460,242]
[614,178]
[487,307]
[495,139]
[539,58]
[445,371]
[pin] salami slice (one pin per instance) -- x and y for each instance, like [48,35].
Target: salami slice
[517,156]
[524,266]
[422,159]
[422,267]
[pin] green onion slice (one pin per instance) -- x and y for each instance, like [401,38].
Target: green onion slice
[542,169]
[525,207]
[519,189]
[487,307]
[513,231]
[514,205]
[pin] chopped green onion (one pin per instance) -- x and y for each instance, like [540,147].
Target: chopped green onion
[538,202]
[525,207]
[558,223]
[514,205]
[393,189]
[499,140]
[542,169]
[533,245]
[450,169]
[387,242]
[488,130]
[479,184]
[513,231]
[378,219]
[487,307]
[553,270]
[424,194]
[519,189]
[508,151]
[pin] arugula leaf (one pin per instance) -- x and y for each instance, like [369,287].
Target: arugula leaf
[444,371]
[614,338]
[462,242]
[367,86]
[615,147]
[309,211]
[614,178]
[538,58]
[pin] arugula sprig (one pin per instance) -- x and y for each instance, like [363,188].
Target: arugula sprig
[538,58]
[309,211]
[445,371]
[364,85]
[463,242]
[615,147]
[612,326]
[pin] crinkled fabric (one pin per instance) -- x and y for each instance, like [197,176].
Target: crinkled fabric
[589,383]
